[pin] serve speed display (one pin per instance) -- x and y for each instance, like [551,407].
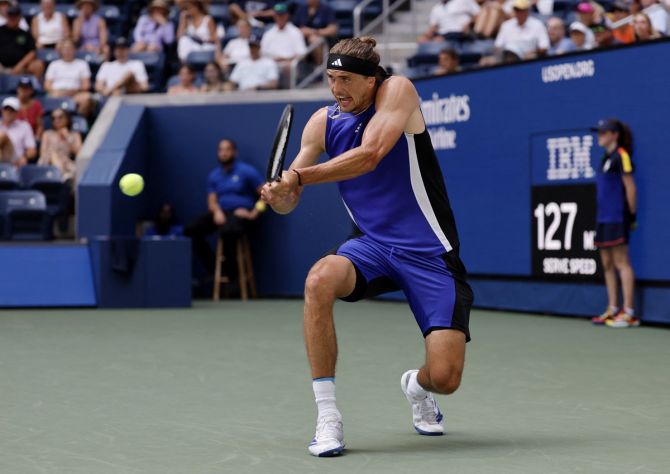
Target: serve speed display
[563,227]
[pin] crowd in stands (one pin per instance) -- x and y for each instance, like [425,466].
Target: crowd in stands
[60,61]
[490,32]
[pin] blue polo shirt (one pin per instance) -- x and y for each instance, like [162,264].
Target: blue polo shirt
[235,188]
[323,17]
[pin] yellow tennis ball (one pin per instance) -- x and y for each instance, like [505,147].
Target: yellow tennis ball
[131,184]
[261,206]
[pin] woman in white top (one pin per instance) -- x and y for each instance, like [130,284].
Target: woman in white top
[237,49]
[196,31]
[49,27]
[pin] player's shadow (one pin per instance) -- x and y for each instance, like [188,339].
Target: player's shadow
[457,442]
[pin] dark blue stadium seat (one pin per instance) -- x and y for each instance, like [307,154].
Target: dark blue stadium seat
[47,180]
[47,55]
[69,11]
[199,59]
[52,103]
[23,216]
[9,177]
[80,124]
[155,65]
[427,52]
[10,82]
[219,12]
[29,10]
[174,80]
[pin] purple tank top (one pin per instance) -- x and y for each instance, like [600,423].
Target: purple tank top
[90,32]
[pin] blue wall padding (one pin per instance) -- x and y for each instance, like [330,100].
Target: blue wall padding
[45,275]
[488,174]
[159,275]
[183,151]
[101,207]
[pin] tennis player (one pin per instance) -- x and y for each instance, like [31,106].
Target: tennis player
[389,178]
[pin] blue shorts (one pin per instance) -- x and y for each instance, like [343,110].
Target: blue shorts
[435,287]
[611,234]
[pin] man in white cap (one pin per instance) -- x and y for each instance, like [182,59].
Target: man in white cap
[523,33]
[579,34]
[17,142]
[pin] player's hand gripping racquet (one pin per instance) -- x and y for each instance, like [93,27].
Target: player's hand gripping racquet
[276,162]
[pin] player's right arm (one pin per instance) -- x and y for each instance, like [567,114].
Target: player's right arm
[312,145]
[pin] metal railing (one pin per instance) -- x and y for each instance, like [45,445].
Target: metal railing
[629,19]
[382,19]
[312,76]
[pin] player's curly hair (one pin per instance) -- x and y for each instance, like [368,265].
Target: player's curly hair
[361,48]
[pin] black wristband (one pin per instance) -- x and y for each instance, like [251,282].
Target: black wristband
[299,177]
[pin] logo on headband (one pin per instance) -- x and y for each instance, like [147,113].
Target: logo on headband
[337,62]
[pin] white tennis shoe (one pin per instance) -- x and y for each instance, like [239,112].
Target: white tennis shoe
[426,415]
[329,438]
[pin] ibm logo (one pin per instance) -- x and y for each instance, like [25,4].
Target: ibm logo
[570,158]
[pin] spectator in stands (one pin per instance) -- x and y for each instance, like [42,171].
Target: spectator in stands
[558,43]
[447,62]
[233,188]
[644,30]
[237,48]
[658,16]
[166,223]
[255,73]
[154,31]
[625,33]
[122,76]
[17,47]
[49,26]
[31,109]
[196,31]
[316,21]
[70,77]
[89,30]
[213,79]
[186,82]
[491,16]
[450,19]
[60,145]
[604,36]
[578,36]
[17,142]
[4,6]
[284,41]
[588,16]
[523,34]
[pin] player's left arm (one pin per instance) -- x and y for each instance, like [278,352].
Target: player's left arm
[396,101]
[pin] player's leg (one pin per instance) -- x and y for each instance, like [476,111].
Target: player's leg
[625,318]
[330,278]
[441,300]
[609,271]
[445,357]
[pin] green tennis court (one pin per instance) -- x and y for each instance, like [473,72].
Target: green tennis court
[224,388]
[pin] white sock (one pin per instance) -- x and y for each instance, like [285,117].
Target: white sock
[614,309]
[414,389]
[629,311]
[324,394]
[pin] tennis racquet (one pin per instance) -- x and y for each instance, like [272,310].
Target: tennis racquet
[276,162]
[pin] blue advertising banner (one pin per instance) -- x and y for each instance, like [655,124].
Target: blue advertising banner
[508,135]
